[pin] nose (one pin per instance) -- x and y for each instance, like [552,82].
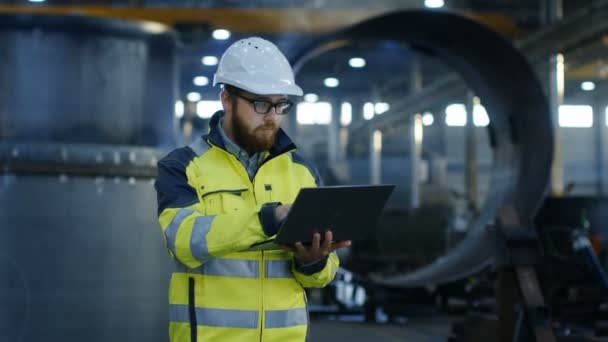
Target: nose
[272,115]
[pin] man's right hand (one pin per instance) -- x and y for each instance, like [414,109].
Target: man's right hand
[280,212]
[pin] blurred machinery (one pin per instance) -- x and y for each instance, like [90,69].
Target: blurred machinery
[86,104]
[502,238]
[87,109]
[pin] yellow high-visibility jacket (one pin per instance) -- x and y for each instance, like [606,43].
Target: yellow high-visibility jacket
[209,210]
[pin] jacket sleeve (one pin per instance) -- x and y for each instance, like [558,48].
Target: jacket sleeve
[318,274]
[192,237]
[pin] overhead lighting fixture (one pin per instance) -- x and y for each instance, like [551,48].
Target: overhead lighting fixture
[356,62]
[331,82]
[311,98]
[37,0]
[428,119]
[588,86]
[220,34]
[193,96]
[434,3]
[210,60]
[201,81]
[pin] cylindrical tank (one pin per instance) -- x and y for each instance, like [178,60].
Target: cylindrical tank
[86,80]
[86,107]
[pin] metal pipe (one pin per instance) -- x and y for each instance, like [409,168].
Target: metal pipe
[416,132]
[600,112]
[471,185]
[375,156]
[415,136]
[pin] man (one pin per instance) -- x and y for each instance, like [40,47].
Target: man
[229,190]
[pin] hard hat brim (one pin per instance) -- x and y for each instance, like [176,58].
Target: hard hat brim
[261,89]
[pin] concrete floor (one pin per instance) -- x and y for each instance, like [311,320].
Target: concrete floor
[422,329]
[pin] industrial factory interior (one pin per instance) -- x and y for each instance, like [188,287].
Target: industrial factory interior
[130,210]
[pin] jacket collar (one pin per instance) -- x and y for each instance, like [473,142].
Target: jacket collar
[281,145]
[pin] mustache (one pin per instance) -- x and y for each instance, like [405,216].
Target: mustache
[269,126]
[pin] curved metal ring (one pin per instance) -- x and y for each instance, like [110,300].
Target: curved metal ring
[521,127]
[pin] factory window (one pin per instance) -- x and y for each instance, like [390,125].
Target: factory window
[606,118]
[346,114]
[381,107]
[206,109]
[318,113]
[456,115]
[480,116]
[179,108]
[368,111]
[575,116]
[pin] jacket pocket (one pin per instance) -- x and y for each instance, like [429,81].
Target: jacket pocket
[222,201]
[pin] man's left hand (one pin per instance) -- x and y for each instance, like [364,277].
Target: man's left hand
[316,251]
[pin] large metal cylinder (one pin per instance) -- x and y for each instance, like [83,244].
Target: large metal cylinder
[521,132]
[77,79]
[85,105]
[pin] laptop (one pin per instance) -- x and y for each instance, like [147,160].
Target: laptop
[351,212]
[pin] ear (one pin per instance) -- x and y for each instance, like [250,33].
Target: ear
[226,100]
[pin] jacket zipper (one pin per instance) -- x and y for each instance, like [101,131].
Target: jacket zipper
[269,159]
[307,315]
[262,272]
[252,181]
[192,310]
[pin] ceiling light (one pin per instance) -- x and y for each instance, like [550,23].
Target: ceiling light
[588,86]
[356,62]
[311,97]
[193,96]
[221,34]
[201,81]
[331,82]
[434,3]
[210,60]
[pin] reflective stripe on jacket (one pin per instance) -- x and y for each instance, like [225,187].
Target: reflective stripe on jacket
[209,211]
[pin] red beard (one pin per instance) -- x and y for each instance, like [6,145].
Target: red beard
[256,141]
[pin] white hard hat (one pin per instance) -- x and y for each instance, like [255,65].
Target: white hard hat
[257,66]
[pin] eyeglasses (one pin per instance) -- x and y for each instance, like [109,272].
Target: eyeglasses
[264,107]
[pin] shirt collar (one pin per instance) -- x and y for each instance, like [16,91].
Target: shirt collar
[231,146]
